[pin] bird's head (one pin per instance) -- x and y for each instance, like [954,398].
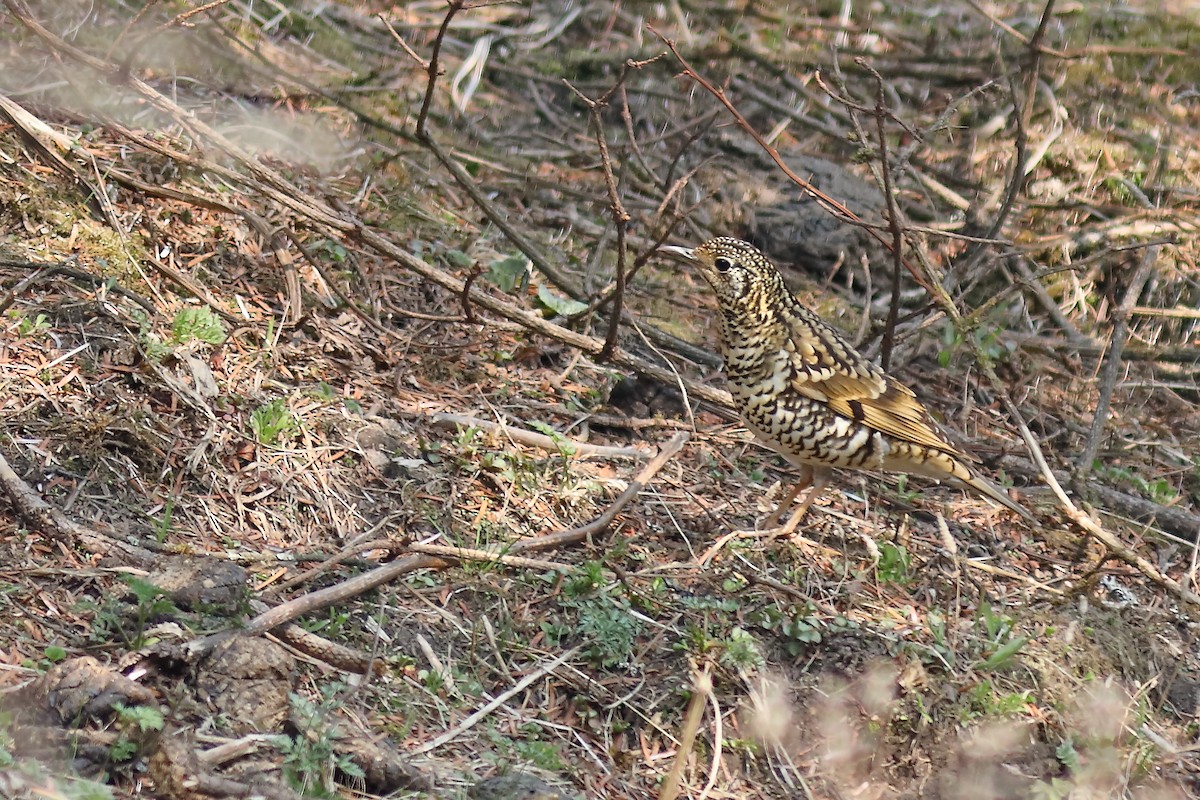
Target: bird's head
[738,273]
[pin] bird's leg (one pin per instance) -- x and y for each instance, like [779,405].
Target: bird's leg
[820,479]
[814,477]
[803,481]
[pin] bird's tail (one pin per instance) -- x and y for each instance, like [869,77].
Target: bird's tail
[954,468]
[991,491]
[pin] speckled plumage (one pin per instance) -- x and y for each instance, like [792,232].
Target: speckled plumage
[807,393]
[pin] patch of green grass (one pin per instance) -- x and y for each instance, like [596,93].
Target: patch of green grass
[273,422]
[197,323]
[983,701]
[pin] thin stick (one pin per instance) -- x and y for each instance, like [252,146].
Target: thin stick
[619,215]
[470,554]
[881,112]
[496,702]
[1112,365]
[541,440]
[432,69]
[701,688]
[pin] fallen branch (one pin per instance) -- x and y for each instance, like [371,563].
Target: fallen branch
[40,515]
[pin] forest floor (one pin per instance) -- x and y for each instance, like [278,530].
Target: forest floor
[302,344]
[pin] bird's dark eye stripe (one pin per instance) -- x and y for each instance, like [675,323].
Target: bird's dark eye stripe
[723,264]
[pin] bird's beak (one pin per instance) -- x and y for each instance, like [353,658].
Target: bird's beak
[681,253]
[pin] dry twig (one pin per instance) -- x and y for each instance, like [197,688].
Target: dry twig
[1112,365]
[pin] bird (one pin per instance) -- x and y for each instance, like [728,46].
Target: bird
[808,394]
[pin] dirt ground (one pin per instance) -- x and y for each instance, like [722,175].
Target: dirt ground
[357,442]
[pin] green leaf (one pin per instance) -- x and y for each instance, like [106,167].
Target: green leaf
[505,272]
[563,306]
[1010,649]
[458,258]
[198,322]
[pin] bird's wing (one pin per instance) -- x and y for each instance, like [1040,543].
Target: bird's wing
[826,368]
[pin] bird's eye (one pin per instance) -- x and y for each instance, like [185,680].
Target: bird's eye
[723,264]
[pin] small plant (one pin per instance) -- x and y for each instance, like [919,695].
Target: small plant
[198,323]
[1054,789]
[333,624]
[556,633]
[51,655]
[988,342]
[27,327]
[984,701]
[1159,490]
[542,755]
[1067,755]
[272,422]
[894,564]
[7,743]
[134,723]
[741,650]
[608,631]
[324,392]
[162,527]
[941,644]
[152,345]
[902,491]
[1001,646]
[332,250]
[584,580]
[149,603]
[507,273]
[559,305]
[310,759]
[799,633]
[565,448]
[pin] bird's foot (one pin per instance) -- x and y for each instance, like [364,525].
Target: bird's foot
[767,535]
